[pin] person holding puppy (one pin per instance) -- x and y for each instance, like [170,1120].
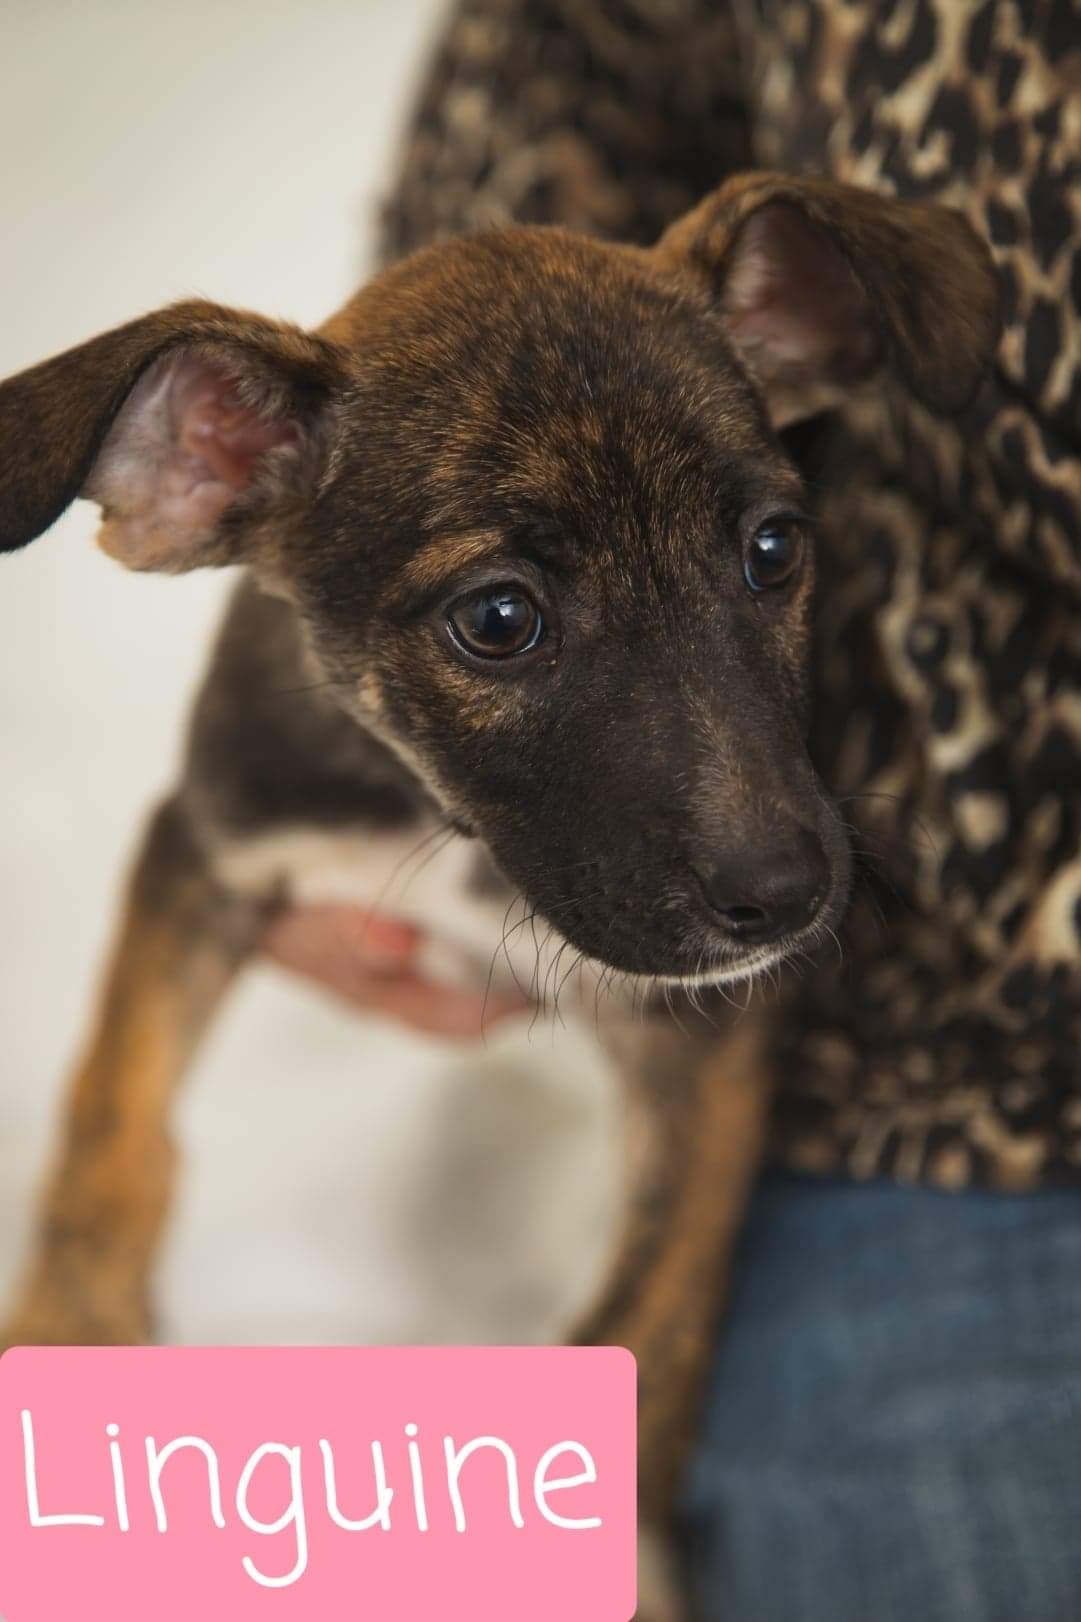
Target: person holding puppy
[895,1426]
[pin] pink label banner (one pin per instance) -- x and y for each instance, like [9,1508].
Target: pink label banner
[286,1484]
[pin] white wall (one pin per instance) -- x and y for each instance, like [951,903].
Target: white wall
[343,1181]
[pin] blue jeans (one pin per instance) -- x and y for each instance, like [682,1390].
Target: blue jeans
[894,1428]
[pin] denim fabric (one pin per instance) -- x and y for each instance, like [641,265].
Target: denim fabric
[894,1429]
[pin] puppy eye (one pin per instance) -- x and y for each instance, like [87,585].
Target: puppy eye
[498,623]
[773,553]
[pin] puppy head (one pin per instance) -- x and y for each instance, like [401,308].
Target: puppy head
[527,496]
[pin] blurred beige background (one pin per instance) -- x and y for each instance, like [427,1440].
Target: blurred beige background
[344,1181]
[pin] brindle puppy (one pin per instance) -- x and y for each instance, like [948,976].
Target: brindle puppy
[526,554]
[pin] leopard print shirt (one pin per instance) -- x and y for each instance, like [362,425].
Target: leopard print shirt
[943,1043]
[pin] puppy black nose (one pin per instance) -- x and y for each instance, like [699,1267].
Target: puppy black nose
[760,895]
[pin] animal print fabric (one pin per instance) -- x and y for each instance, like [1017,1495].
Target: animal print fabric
[943,1042]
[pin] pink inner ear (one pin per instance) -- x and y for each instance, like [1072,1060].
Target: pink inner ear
[216,429]
[793,302]
[183,449]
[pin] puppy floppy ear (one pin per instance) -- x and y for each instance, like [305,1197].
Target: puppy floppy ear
[820,284]
[186,426]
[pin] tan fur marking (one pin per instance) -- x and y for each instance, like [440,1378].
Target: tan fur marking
[695,1140]
[437,562]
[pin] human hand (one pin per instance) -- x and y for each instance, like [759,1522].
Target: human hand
[371,961]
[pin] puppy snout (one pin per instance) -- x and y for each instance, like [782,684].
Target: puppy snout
[761,894]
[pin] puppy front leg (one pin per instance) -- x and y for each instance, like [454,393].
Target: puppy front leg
[181,940]
[695,1118]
